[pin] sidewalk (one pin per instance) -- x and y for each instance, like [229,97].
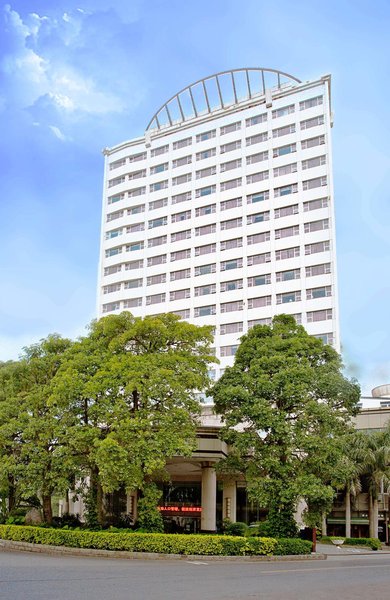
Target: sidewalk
[332,550]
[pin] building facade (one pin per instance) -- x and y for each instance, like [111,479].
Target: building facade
[223,212]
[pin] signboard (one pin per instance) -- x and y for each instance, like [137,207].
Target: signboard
[181,510]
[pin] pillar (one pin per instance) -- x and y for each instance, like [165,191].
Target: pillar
[229,499]
[209,498]
[131,505]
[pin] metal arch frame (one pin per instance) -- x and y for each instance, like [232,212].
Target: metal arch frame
[215,77]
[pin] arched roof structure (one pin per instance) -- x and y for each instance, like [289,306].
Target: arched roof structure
[217,92]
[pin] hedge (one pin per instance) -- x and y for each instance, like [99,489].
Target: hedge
[222,545]
[372,543]
[289,546]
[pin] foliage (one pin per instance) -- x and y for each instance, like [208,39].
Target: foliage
[286,405]
[372,543]
[149,517]
[290,546]
[237,528]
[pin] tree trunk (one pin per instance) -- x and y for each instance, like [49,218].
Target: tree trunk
[66,503]
[348,512]
[47,509]
[324,525]
[99,503]
[373,516]
[11,494]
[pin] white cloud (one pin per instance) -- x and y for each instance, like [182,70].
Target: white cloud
[58,133]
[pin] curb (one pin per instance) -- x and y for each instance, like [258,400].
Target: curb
[90,552]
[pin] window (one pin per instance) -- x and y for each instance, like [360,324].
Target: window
[228,185]
[205,290]
[182,143]
[255,158]
[319,292]
[310,102]
[259,259]
[286,211]
[135,227]
[159,185]
[228,265]
[314,270]
[230,147]
[157,241]
[158,204]
[256,139]
[228,350]
[259,280]
[180,294]
[117,163]
[137,174]
[181,235]
[257,197]
[133,283]
[254,322]
[156,279]
[287,253]
[114,199]
[133,265]
[230,244]
[327,338]
[283,150]
[281,131]
[310,163]
[159,151]
[317,225]
[205,269]
[112,270]
[318,247]
[319,140]
[181,216]
[115,215]
[231,328]
[181,197]
[181,179]
[234,203]
[208,249]
[232,306]
[258,217]
[155,299]
[230,128]
[205,311]
[209,153]
[113,287]
[160,259]
[319,315]
[182,274]
[229,286]
[258,302]
[258,238]
[180,162]
[132,302]
[257,177]
[314,122]
[206,135]
[205,191]
[111,306]
[136,210]
[116,181]
[286,232]
[181,254]
[183,314]
[315,204]
[231,223]
[159,168]
[205,210]
[288,297]
[285,170]
[113,233]
[314,183]
[282,112]
[288,275]
[205,229]
[256,119]
[206,172]
[135,246]
[285,190]
[136,192]
[137,157]
[113,251]
[232,164]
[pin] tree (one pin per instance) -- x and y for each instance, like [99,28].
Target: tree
[285,404]
[128,393]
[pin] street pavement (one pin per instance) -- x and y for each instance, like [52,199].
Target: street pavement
[31,576]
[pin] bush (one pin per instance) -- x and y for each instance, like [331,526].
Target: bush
[288,546]
[237,528]
[372,543]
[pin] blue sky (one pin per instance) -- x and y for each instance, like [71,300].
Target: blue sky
[79,75]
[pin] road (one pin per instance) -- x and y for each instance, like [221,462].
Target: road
[25,576]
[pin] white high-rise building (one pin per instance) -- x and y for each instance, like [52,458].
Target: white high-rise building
[222,212]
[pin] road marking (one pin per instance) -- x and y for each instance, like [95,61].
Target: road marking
[274,572]
[196,562]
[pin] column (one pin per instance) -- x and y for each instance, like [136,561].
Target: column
[229,499]
[209,498]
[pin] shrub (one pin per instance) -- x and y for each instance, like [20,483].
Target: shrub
[149,517]
[372,543]
[237,528]
[288,546]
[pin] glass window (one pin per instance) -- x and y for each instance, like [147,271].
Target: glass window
[137,157]
[229,286]
[286,211]
[285,170]
[181,235]
[315,204]
[230,244]
[254,177]
[159,185]
[318,247]
[206,135]
[256,139]
[113,269]
[155,299]
[206,191]
[317,161]
[159,151]
[283,111]
[135,227]
[115,215]
[231,127]
[314,270]
[256,119]
[228,265]
[205,269]
[257,197]
[319,292]
[136,192]
[288,275]
[232,164]
[228,185]
[181,216]
[156,279]
[286,232]
[312,142]
[158,204]
[136,210]
[132,302]
[133,283]
[258,217]
[205,311]
[288,297]
[135,246]
[287,253]
[317,225]
[259,259]
[157,222]
[181,254]
[281,131]
[234,203]
[314,122]
[180,162]
[232,306]
[158,168]
[258,238]
[283,150]
[180,294]
[319,315]
[228,350]
[230,147]
[285,190]
[208,249]
[259,280]
[157,260]
[205,210]
[311,102]
[182,274]
[116,198]
[157,241]
[231,328]
[182,143]
[258,302]
[181,179]
[181,197]
[209,153]
[205,290]
[206,172]
[205,229]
